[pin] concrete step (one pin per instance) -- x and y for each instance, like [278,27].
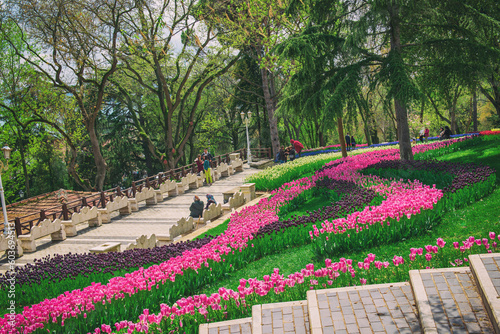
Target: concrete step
[281,318]
[448,301]
[486,271]
[237,326]
[379,308]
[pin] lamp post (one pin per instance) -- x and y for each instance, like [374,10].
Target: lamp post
[245,116]
[6,153]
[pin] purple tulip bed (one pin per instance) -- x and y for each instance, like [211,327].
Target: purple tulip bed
[373,198]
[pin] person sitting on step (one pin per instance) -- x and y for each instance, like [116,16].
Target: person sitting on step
[196,208]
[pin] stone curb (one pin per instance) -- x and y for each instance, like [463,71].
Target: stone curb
[489,295]
[204,328]
[425,318]
[257,319]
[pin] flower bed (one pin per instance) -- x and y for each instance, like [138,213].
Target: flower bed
[147,288]
[72,271]
[187,313]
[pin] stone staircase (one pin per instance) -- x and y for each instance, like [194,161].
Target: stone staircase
[435,301]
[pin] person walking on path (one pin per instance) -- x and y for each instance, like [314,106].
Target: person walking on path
[353,142]
[199,164]
[348,142]
[196,208]
[208,171]
[210,200]
[281,155]
[426,134]
[297,145]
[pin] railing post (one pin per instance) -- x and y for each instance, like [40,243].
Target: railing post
[17,222]
[84,202]
[134,189]
[103,200]
[219,160]
[42,215]
[119,191]
[65,211]
[148,184]
[160,180]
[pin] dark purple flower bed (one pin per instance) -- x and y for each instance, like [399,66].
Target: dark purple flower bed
[463,175]
[70,266]
[352,198]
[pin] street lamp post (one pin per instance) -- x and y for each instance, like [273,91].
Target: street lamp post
[246,118]
[6,153]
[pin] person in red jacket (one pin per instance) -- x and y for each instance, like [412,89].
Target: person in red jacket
[297,145]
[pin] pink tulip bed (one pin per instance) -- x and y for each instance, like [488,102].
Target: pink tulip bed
[367,208]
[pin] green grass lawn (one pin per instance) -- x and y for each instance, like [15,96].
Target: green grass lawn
[476,219]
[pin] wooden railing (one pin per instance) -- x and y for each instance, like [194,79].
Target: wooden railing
[64,211]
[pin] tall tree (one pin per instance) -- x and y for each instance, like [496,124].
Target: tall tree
[176,49]
[77,50]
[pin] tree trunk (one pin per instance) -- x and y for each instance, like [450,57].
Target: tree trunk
[271,107]
[100,163]
[25,169]
[341,137]
[474,108]
[403,131]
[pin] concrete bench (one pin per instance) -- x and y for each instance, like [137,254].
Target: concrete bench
[45,228]
[147,194]
[163,239]
[236,201]
[229,193]
[5,246]
[86,214]
[236,162]
[119,203]
[169,187]
[182,226]
[213,212]
[106,248]
[143,242]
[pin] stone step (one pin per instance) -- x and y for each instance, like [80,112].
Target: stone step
[486,271]
[237,326]
[379,308]
[448,301]
[281,318]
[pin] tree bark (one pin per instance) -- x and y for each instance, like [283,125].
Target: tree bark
[269,98]
[100,163]
[405,150]
[474,109]
[341,137]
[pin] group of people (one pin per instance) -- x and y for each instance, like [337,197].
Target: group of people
[423,135]
[350,142]
[291,152]
[196,208]
[445,133]
[203,162]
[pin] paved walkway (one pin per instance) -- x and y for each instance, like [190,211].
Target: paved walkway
[156,219]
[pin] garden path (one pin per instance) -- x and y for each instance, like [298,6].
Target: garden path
[156,219]
[435,301]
